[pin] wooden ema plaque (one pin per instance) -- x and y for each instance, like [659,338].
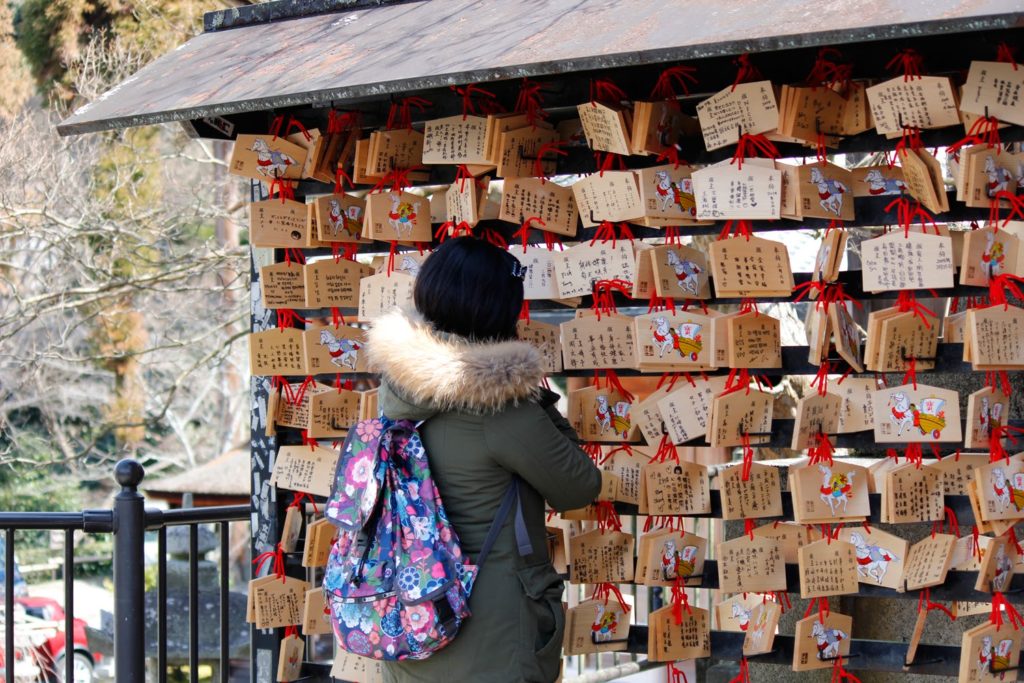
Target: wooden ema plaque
[316,616]
[750,268]
[666,194]
[992,89]
[858,413]
[628,465]
[895,261]
[928,562]
[535,197]
[319,537]
[1000,489]
[680,272]
[592,344]
[516,145]
[596,626]
[994,338]
[605,127]
[912,494]
[265,157]
[579,267]
[827,568]
[739,413]
[332,412]
[328,349]
[601,557]
[894,338]
[790,537]
[920,102]
[750,566]
[957,471]
[295,414]
[734,614]
[880,555]
[845,335]
[764,621]
[601,415]
[819,639]
[397,217]
[988,172]
[877,181]
[747,107]
[670,642]
[455,140]
[680,341]
[677,488]
[540,281]
[647,417]
[339,217]
[988,252]
[986,649]
[657,126]
[723,191]
[825,191]
[754,341]
[276,352]
[278,603]
[305,468]
[546,339]
[610,196]
[997,566]
[380,294]
[926,414]
[685,411]
[815,414]
[760,496]
[333,284]
[350,667]
[986,408]
[824,493]
[664,556]
[281,285]
[277,223]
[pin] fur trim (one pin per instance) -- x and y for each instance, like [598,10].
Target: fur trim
[449,372]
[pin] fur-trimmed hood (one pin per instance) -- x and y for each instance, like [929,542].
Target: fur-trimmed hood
[442,372]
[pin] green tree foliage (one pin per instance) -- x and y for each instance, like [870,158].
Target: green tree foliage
[53,33]
[15,81]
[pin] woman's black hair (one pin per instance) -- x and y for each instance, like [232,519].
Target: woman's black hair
[470,287]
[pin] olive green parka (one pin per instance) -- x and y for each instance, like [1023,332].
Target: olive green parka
[487,420]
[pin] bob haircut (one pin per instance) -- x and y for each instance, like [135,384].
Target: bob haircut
[467,287]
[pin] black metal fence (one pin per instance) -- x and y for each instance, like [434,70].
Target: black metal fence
[128,521]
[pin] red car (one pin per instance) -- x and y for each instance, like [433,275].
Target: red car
[42,626]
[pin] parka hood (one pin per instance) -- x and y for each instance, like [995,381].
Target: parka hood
[425,371]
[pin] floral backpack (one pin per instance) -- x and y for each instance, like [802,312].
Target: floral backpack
[397,581]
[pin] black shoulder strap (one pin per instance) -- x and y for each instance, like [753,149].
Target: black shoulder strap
[511,498]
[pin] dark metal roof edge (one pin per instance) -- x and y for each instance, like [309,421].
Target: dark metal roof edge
[539,69]
[281,10]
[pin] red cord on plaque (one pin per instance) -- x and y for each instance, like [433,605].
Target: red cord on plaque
[275,557]
[674,674]
[471,90]
[669,79]
[948,523]
[530,102]
[909,60]
[400,113]
[523,233]
[604,295]
[607,517]
[745,70]
[999,605]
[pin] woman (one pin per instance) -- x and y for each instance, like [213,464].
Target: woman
[457,364]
